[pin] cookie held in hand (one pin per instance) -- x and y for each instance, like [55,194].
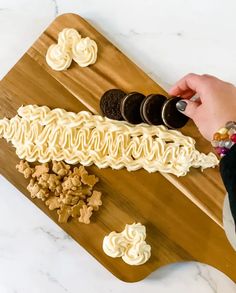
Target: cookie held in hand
[171,116]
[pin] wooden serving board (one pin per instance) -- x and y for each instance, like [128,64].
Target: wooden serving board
[182,215]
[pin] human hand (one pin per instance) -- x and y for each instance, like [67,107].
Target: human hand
[215,105]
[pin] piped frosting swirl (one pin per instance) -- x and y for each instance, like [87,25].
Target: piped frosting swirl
[41,134]
[85,52]
[71,46]
[130,245]
[58,58]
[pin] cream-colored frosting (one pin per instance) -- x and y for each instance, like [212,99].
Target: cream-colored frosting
[134,232]
[137,253]
[114,245]
[58,58]
[67,37]
[41,134]
[84,52]
[71,46]
[130,244]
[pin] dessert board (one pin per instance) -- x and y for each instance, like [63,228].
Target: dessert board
[182,215]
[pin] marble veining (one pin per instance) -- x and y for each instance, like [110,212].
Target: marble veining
[167,39]
[56,9]
[205,275]
[53,235]
[53,280]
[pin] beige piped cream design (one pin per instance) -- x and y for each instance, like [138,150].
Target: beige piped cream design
[41,134]
[85,52]
[58,58]
[71,46]
[67,37]
[130,244]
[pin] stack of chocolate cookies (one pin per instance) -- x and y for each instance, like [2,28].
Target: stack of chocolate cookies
[135,108]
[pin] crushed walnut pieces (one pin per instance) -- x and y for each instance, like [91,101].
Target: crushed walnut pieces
[68,190]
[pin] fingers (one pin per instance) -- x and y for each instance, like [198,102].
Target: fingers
[188,86]
[188,107]
[188,94]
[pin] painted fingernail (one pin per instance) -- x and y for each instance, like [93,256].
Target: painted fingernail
[181,105]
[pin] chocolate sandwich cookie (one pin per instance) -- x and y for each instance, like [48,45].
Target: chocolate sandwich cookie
[110,103]
[151,107]
[171,116]
[141,112]
[130,107]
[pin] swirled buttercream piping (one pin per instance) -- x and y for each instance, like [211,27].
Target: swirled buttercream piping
[137,254]
[71,46]
[67,37]
[84,52]
[130,244]
[41,134]
[114,245]
[58,58]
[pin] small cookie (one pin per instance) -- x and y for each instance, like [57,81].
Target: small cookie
[24,168]
[85,214]
[36,191]
[110,103]
[69,192]
[64,213]
[53,203]
[95,200]
[40,170]
[171,116]
[130,107]
[151,107]
[89,180]
[60,168]
[75,210]
[50,181]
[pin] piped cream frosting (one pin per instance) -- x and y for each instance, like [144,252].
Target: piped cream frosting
[68,37]
[71,46]
[130,244]
[41,134]
[58,58]
[85,52]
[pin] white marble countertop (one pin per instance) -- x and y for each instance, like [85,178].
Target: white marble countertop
[167,39]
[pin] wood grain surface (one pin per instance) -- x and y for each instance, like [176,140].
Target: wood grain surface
[182,215]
